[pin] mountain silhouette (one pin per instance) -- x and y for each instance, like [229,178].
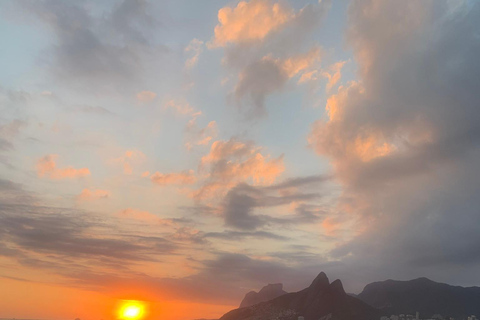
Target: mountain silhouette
[423,295]
[269,292]
[321,300]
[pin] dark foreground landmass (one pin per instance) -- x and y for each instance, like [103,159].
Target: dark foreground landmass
[323,300]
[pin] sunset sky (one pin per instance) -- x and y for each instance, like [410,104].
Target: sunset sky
[184,153]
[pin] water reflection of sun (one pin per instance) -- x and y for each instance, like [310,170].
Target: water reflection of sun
[131,310]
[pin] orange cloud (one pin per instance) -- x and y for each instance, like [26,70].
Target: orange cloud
[146,96]
[129,158]
[181,178]
[47,167]
[333,74]
[93,194]
[182,108]
[331,226]
[301,62]
[137,214]
[331,137]
[195,47]
[145,216]
[308,76]
[249,21]
[230,162]
[197,136]
[371,146]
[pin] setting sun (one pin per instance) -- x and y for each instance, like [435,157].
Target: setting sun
[131,310]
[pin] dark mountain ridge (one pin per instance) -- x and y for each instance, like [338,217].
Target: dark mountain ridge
[423,295]
[269,292]
[321,300]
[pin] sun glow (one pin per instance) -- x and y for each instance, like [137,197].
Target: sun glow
[132,310]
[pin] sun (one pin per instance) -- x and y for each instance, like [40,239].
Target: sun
[131,310]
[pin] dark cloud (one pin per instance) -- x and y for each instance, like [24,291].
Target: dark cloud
[54,231]
[239,235]
[99,52]
[242,200]
[403,141]
[300,182]
[258,80]
[261,62]
[27,227]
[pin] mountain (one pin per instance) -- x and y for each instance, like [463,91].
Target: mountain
[321,300]
[267,293]
[422,295]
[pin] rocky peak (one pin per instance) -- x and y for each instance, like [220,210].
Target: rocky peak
[337,287]
[269,292]
[320,282]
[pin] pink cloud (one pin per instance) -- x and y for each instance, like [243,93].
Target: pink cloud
[180,178]
[129,159]
[182,108]
[146,96]
[233,161]
[249,21]
[93,194]
[144,216]
[47,167]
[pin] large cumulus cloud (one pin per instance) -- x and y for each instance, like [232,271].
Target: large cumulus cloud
[403,139]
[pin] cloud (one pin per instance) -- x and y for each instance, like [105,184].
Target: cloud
[149,218]
[129,159]
[106,51]
[180,178]
[194,49]
[47,167]
[264,42]
[93,194]
[199,136]
[146,96]
[65,242]
[8,132]
[333,74]
[232,161]
[402,140]
[249,21]
[48,233]
[182,108]
[240,235]
[263,77]
[258,80]
[240,202]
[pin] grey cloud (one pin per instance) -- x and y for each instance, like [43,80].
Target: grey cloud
[258,80]
[27,227]
[419,91]
[260,73]
[45,230]
[239,235]
[300,182]
[100,52]
[242,200]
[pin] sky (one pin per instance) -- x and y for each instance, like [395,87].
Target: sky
[183,153]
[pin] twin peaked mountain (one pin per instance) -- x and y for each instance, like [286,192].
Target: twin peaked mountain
[321,300]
